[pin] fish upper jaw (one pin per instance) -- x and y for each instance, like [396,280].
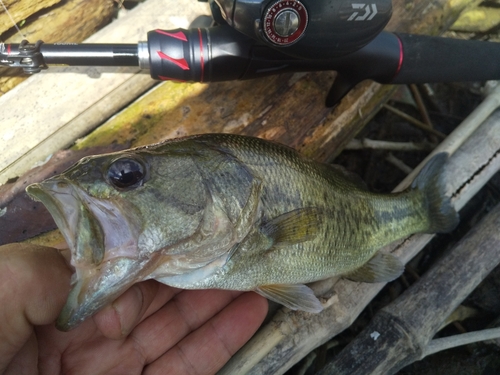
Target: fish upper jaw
[102,236]
[62,204]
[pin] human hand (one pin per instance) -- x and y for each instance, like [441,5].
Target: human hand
[150,329]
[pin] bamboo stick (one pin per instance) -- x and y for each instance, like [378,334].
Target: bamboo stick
[366,143]
[445,343]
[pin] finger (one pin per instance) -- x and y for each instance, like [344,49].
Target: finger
[207,349]
[186,312]
[117,320]
[35,284]
[165,293]
[24,362]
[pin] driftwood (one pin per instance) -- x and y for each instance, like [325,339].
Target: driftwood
[20,10]
[401,332]
[290,335]
[72,20]
[478,19]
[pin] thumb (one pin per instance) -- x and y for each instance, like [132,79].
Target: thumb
[34,284]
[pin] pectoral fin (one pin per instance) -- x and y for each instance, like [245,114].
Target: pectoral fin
[382,267]
[295,297]
[293,227]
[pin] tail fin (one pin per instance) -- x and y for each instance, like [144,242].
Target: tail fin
[443,216]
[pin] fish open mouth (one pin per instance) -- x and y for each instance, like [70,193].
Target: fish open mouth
[102,236]
[62,205]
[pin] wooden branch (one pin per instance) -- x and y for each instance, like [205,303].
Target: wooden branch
[359,144]
[398,163]
[419,124]
[404,328]
[289,336]
[445,343]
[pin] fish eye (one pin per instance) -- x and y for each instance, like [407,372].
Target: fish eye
[126,173]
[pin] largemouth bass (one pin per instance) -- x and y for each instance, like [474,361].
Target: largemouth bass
[229,212]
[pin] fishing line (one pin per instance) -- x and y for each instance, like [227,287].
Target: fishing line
[12,19]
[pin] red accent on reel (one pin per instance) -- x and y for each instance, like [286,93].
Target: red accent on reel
[401,57]
[178,35]
[181,63]
[163,78]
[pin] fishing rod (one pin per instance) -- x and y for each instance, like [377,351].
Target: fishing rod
[248,39]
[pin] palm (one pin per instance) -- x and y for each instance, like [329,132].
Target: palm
[180,332]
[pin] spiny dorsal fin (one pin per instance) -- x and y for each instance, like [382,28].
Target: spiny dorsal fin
[295,297]
[293,227]
[381,268]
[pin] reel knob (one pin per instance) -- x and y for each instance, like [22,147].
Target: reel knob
[284,22]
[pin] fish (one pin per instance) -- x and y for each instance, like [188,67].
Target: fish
[221,211]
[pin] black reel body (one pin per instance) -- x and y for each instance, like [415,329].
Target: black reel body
[307,29]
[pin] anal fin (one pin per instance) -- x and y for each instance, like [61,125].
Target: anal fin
[380,268]
[295,297]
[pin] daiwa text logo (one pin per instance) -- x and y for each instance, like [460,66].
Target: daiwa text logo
[368,12]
